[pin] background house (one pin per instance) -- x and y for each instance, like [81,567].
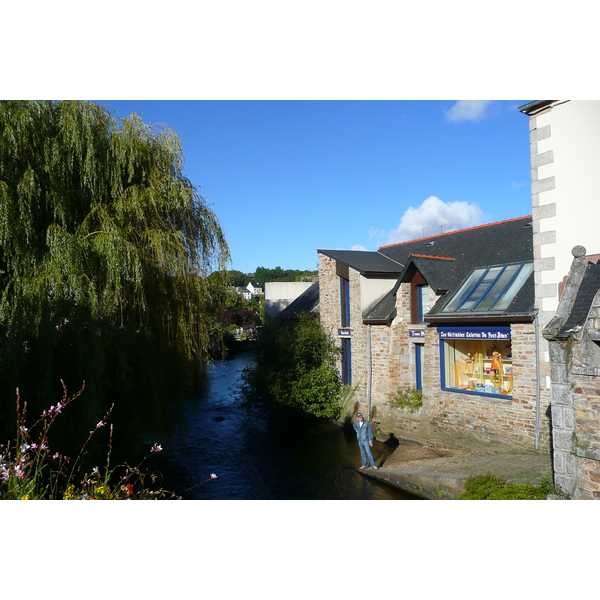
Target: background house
[252,290]
[280,294]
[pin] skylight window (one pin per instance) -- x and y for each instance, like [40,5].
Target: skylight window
[490,289]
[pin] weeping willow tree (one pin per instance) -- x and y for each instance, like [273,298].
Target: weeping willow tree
[105,248]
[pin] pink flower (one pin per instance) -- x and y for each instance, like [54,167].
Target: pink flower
[156,448]
[213,476]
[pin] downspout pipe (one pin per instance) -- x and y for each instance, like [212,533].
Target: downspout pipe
[370,371]
[537,380]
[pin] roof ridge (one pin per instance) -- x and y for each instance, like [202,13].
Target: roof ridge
[455,231]
[429,256]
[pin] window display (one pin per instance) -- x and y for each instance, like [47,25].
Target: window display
[477,361]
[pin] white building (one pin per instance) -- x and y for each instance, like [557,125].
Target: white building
[565,154]
[280,294]
[565,193]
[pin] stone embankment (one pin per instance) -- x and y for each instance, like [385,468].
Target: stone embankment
[440,472]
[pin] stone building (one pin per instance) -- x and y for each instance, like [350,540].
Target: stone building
[574,343]
[451,315]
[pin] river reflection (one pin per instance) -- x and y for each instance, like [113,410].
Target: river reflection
[252,458]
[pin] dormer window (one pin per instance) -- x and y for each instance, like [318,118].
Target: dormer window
[489,289]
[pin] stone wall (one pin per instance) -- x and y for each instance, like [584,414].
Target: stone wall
[507,421]
[576,410]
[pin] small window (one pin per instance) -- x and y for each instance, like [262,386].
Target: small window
[422,301]
[346,361]
[419,366]
[344,302]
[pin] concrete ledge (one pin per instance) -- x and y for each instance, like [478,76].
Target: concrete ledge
[429,486]
[443,477]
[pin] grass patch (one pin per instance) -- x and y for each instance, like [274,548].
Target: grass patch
[411,399]
[492,487]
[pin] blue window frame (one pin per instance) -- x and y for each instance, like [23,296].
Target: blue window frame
[346,361]
[419,366]
[477,360]
[344,302]
[422,301]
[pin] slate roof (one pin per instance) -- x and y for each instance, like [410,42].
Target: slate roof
[493,244]
[588,288]
[436,270]
[307,301]
[384,311]
[445,260]
[364,261]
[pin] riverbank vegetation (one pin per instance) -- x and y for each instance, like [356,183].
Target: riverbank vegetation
[31,470]
[492,487]
[296,368]
[105,248]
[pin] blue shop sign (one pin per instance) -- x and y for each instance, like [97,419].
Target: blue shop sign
[474,333]
[344,333]
[416,333]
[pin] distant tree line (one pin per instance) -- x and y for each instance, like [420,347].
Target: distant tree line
[262,275]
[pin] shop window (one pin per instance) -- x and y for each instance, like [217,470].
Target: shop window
[477,361]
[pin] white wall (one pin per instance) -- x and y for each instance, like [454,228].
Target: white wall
[280,294]
[567,207]
[372,290]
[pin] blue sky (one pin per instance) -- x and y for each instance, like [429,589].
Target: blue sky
[288,177]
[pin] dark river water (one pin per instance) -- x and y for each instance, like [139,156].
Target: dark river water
[253,458]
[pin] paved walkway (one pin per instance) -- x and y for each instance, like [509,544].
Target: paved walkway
[436,474]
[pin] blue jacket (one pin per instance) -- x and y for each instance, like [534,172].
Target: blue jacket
[364,433]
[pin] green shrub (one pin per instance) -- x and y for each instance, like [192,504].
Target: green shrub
[296,367]
[410,399]
[492,487]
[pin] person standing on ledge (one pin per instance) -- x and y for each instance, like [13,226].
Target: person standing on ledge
[364,435]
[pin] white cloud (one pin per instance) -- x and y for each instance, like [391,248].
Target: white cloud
[358,247]
[516,184]
[434,217]
[374,232]
[468,110]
